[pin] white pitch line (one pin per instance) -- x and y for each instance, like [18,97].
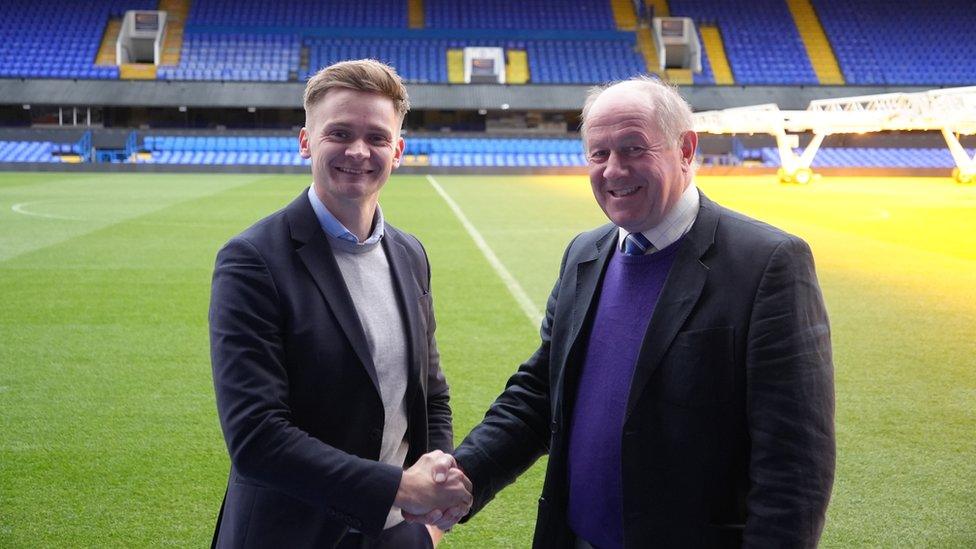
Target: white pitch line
[531,312]
[19,208]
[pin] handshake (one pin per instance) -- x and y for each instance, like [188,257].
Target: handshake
[434,491]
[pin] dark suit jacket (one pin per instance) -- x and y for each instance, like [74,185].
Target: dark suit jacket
[296,388]
[728,437]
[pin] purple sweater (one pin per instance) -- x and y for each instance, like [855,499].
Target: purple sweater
[630,290]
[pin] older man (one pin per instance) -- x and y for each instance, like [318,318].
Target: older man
[322,338]
[683,387]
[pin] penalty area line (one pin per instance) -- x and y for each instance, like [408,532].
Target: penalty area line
[528,308]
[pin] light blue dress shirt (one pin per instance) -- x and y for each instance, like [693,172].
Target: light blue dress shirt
[334,228]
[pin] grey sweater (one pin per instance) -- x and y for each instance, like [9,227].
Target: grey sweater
[367,274]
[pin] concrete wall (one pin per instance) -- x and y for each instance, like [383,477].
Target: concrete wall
[129,93]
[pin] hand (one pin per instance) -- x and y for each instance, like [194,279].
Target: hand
[431,486]
[444,469]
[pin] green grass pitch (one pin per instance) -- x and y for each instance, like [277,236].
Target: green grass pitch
[108,431]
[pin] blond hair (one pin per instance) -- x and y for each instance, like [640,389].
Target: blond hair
[366,75]
[671,111]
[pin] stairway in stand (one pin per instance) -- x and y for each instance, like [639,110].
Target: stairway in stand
[715,49]
[821,54]
[176,12]
[415,14]
[106,51]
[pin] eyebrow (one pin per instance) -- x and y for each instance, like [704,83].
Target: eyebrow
[346,125]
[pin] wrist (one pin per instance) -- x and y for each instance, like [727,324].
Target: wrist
[404,494]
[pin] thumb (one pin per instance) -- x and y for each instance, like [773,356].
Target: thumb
[442,464]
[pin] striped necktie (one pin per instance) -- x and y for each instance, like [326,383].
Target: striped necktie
[636,244]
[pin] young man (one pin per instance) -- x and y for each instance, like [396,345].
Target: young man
[325,366]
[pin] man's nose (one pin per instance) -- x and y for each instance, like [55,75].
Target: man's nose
[357,149]
[615,167]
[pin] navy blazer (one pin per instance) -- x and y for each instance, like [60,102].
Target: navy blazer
[297,395]
[728,437]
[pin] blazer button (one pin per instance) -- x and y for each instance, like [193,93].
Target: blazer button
[554,426]
[376,434]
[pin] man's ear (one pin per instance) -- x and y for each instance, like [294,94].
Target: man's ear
[689,143]
[303,143]
[398,152]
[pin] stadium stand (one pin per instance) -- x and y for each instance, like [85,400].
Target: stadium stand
[251,57]
[55,39]
[417,60]
[762,43]
[876,42]
[879,42]
[582,62]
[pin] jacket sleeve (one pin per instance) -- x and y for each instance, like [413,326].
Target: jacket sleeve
[251,385]
[789,404]
[516,429]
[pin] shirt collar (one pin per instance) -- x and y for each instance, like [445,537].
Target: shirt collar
[334,228]
[675,224]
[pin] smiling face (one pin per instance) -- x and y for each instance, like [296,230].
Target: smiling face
[353,140]
[637,173]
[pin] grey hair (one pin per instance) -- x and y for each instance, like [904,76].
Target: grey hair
[671,112]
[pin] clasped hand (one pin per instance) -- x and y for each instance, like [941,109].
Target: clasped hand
[434,491]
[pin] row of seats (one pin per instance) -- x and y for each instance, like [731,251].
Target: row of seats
[153,143]
[493,145]
[299,13]
[414,145]
[866,157]
[226,158]
[29,151]
[519,14]
[438,14]
[498,160]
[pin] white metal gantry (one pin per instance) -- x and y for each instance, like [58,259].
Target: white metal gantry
[951,111]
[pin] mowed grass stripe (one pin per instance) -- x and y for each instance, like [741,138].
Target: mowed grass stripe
[38,211]
[532,313]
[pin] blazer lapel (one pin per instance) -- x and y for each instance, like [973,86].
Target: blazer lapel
[589,269]
[314,250]
[681,291]
[407,295]
[588,272]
